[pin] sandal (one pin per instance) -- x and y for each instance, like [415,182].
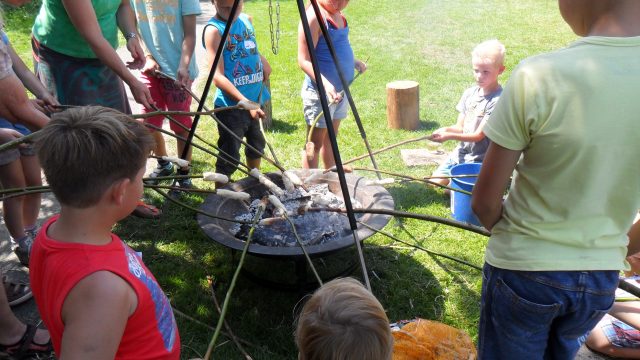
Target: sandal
[26,348]
[146,211]
[17,291]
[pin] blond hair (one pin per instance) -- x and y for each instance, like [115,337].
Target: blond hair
[489,52]
[84,150]
[341,321]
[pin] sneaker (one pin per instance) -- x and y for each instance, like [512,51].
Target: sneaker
[23,249]
[160,170]
[185,184]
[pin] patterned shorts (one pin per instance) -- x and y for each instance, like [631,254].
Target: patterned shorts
[619,333]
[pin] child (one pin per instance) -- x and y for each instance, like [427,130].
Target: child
[474,108]
[343,320]
[338,31]
[19,167]
[239,77]
[96,297]
[168,32]
[568,124]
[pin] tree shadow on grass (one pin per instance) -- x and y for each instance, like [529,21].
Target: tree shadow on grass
[181,257]
[428,125]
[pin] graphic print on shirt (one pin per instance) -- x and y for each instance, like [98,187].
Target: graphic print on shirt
[241,46]
[164,315]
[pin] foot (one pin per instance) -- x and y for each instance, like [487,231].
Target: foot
[159,171]
[17,291]
[146,211]
[23,249]
[183,184]
[34,343]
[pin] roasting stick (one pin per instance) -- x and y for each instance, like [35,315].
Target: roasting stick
[225,304]
[254,106]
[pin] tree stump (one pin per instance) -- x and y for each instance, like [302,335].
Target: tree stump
[403,105]
[268,120]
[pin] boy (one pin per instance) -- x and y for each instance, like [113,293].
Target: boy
[96,297]
[239,77]
[343,320]
[475,107]
[568,124]
[168,32]
[338,31]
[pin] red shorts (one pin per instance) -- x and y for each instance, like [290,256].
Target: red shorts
[168,97]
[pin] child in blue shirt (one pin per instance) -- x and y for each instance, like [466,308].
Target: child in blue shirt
[239,77]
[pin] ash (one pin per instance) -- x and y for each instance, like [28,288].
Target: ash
[313,228]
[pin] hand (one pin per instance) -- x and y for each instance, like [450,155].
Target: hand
[133,45]
[634,260]
[439,137]
[257,114]
[39,105]
[141,94]
[332,94]
[49,102]
[7,135]
[182,78]
[360,66]
[150,66]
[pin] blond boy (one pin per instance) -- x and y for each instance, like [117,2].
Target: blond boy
[474,108]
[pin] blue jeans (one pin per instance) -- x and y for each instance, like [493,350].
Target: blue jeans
[541,314]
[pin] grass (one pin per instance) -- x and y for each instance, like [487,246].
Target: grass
[428,41]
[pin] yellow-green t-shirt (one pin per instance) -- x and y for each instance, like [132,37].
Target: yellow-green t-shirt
[575,115]
[54,29]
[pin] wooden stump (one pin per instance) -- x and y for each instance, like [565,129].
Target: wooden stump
[268,120]
[403,105]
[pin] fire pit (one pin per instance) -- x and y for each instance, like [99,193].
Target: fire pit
[221,231]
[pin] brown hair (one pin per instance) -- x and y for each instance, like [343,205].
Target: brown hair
[85,150]
[341,321]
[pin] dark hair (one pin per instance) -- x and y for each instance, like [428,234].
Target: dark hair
[85,150]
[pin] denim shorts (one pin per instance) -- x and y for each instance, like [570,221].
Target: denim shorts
[244,126]
[312,107]
[444,169]
[541,314]
[25,149]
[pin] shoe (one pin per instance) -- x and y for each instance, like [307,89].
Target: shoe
[184,184]
[27,348]
[17,291]
[23,249]
[146,211]
[159,171]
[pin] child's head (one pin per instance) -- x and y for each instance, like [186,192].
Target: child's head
[223,9]
[334,5]
[609,16]
[84,151]
[343,318]
[487,59]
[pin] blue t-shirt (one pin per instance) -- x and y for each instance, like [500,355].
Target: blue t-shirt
[242,63]
[161,28]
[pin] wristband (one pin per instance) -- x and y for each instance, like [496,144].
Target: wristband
[130,35]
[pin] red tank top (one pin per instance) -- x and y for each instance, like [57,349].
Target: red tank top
[56,267]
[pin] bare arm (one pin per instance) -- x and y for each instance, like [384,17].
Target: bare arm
[30,81]
[83,18]
[188,46]
[496,170]
[95,314]
[628,312]
[15,105]
[212,39]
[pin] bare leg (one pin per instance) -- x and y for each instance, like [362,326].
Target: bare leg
[181,144]
[254,163]
[11,176]
[31,207]
[317,138]
[160,149]
[326,153]
[12,329]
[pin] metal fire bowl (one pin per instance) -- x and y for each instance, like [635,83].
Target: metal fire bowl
[372,196]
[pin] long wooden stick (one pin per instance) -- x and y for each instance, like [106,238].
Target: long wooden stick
[426,137]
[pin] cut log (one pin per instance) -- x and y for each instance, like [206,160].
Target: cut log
[403,102]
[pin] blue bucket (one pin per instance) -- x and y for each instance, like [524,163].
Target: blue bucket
[461,203]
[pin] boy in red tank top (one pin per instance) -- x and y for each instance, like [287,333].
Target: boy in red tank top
[96,297]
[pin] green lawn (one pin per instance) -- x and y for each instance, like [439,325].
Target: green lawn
[428,41]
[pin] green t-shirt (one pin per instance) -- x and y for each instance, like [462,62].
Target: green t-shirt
[54,29]
[575,115]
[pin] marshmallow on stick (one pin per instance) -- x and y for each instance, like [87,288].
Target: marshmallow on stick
[266,182]
[239,195]
[219,178]
[176,160]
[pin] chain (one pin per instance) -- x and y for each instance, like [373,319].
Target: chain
[275,39]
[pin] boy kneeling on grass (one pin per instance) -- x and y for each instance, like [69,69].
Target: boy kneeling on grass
[96,297]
